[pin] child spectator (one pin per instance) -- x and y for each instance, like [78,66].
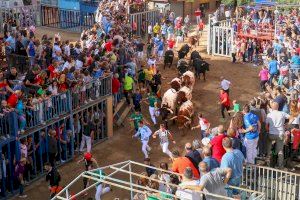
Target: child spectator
[19,174]
[264,77]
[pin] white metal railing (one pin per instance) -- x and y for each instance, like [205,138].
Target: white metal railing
[126,168]
[274,183]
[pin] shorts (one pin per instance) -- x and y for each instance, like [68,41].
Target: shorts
[160,53]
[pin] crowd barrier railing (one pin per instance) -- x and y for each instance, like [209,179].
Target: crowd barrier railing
[274,183]
[68,124]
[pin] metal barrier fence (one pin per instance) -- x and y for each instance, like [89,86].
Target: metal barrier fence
[24,16]
[72,20]
[142,20]
[58,114]
[220,37]
[91,91]
[275,184]
[124,175]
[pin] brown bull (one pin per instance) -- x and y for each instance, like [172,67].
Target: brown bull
[184,116]
[183,95]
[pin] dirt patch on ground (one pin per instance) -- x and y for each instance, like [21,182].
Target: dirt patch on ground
[122,147]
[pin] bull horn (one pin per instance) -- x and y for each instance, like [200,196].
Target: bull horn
[175,117]
[171,111]
[187,118]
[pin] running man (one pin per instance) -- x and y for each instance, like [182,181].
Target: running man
[89,161]
[164,136]
[136,117]
[152,102]
[144,133]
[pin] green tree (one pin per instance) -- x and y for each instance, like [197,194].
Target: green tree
[235,3]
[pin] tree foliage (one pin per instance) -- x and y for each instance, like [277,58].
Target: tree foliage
[235,2]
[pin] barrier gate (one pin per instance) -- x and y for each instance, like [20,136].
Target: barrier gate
[220,38]
[142,20]
[222,41]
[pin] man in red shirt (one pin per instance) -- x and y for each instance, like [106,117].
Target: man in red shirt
[216,144]
[108,46]
[198,15]
[200,27]
[224,102]
[13,98]
[171,43]
[296,135]
[180,163]
[115,87]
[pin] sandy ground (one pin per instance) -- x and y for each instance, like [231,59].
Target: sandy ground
[122,147]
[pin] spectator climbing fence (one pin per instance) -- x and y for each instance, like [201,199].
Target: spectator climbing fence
[139,21]
[55,113]
[274,183]
[23,16]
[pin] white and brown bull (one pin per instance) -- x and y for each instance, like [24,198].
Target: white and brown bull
[184,94]
[188,79]
[168,104]
[184,115]
[175,83]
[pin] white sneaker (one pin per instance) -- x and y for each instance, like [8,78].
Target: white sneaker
[23,196]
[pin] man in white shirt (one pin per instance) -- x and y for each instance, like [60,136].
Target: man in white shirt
[67,50]
[150,30]
[275,126]
[227,14]
[187,194]
[225,84]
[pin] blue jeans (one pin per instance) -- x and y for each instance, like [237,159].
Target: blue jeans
[21,188]
[234,182]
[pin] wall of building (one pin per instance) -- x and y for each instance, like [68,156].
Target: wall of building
[189,6]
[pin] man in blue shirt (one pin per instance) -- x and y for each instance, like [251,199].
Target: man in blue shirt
[31,51]
[295,60]
[273,69]
[252,128]
[211,162]
[233,159]
[12,41]
[160,49]
[144,133]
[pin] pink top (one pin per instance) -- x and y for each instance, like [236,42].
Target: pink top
[263,74]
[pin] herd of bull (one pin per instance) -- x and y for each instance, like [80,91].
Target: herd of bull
[177,102]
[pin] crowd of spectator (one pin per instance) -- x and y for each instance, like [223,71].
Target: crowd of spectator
[39,71]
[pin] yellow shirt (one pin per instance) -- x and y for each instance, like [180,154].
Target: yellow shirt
[148,74]
[128,83]
[156,29]
[113,58]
